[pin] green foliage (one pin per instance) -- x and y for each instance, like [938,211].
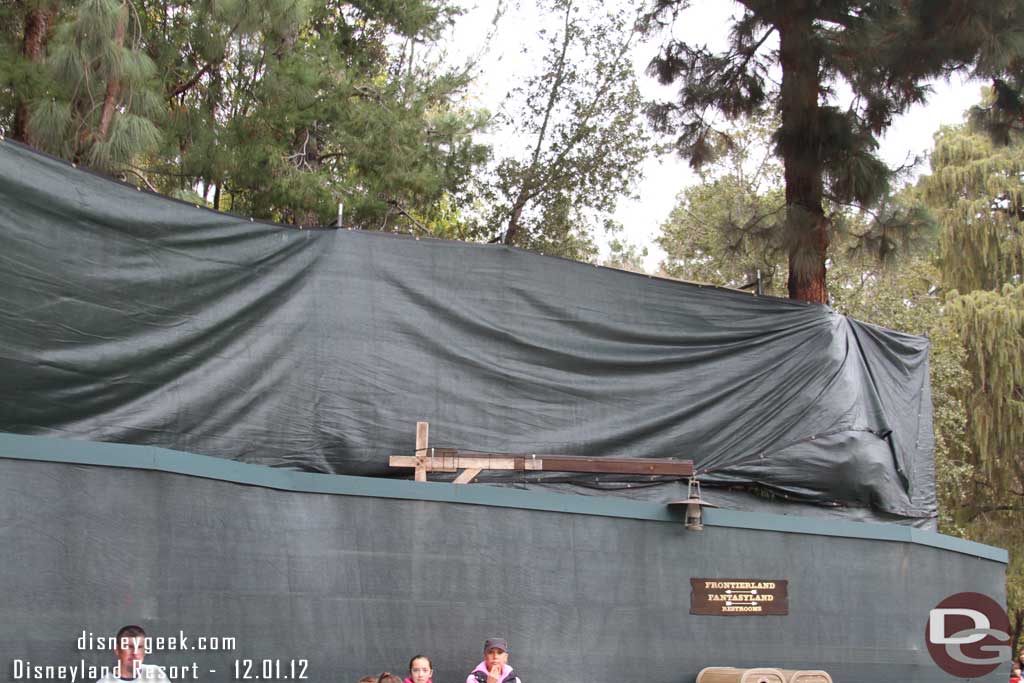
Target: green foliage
[129,136]
[623,254]
[271,108]
[726,229]
[100,106]
[975,192]
[885,52]
[282,110]
[583,140]
[292,109]
[21,74]
[992,326]
[735,224]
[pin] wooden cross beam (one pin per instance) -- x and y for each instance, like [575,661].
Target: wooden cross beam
[429,459]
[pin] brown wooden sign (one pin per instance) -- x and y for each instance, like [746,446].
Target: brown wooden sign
[744,597]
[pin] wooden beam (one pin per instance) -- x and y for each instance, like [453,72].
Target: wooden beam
[467,476]
[422,432]
[656,466]
[460,462]
[450,460]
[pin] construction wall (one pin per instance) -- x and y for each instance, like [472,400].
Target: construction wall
[356,575]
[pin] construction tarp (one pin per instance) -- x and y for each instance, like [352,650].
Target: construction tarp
[132,318]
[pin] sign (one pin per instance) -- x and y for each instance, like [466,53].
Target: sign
[739,597]
[967,635]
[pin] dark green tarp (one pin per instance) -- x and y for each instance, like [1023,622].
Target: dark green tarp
[132,318]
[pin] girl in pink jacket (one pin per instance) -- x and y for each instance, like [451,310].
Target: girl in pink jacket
[420,670]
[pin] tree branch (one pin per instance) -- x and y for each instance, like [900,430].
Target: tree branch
[401,209]
[190,83]
[135,171]
[993,508]
[553,95]
[753,51]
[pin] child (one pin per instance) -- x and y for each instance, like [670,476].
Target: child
[420,670]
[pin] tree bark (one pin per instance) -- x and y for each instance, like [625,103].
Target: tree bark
[512,231]
[800,145]
[37,28]
[110,98]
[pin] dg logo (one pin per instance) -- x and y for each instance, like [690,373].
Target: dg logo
[968,635]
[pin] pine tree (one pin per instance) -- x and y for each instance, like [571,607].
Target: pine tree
[722,229]
[283,110]
[725,229]
[339,120]
[271,108]
[885,52]
[22,58]
[102,105]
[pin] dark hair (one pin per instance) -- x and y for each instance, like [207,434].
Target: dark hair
[130,631]
[429,663]
[388,677]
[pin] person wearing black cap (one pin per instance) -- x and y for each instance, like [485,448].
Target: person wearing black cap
[494,668]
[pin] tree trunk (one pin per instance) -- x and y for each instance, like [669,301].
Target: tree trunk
[110,98]
[37,28]
[807,265]
[307,160]
[800,144]
[512,231]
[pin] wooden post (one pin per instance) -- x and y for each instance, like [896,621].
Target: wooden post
[422,429]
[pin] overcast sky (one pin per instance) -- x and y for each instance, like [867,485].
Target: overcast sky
[514,50]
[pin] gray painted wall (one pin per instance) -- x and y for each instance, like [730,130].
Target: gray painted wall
[357,584]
